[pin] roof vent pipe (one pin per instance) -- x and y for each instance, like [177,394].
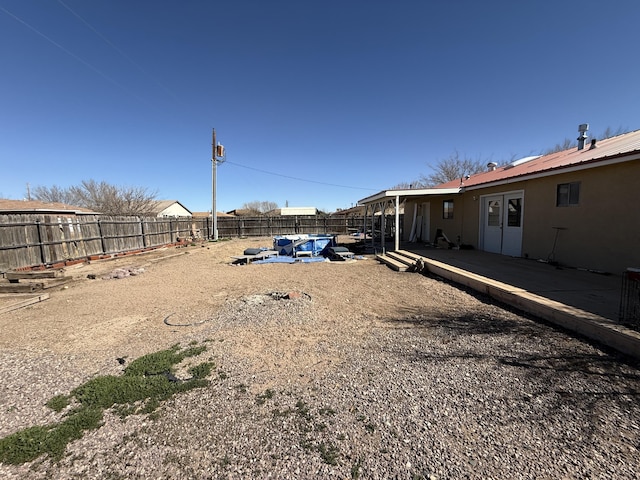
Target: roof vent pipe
[593,144]
[492,166]
[582,129]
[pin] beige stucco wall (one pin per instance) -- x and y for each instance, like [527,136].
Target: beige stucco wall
[452,227]
[601,233]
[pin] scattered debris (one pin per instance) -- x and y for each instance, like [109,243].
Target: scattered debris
[254,254]
[124,272]
[303,248]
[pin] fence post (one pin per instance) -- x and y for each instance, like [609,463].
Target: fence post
[104,248]
[142,230]
[40,244]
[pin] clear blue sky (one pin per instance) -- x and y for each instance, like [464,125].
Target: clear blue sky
[318,103]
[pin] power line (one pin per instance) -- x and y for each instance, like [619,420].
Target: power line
[120,52]
[71,54]
[297,178]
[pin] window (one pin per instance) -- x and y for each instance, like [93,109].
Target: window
[568,194]
[514,212]
[447,209]
[493,214]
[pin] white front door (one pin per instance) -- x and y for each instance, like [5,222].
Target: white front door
[502,224]
[512,225]
[492,228]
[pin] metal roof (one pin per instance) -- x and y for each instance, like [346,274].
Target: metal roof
[621,148]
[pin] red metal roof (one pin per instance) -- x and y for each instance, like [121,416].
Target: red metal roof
[620,148]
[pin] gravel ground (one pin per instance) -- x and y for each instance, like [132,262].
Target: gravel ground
[361,373]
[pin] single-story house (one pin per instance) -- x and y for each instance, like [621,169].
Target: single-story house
[356,211]
[170,208]
[577,207]
[46,208]
[289,211]
[208,215]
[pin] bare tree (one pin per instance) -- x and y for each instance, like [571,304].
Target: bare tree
[408,186]
[101,197]
[54,194]
[566,144]
[259,207]
[451,168]
[610,132]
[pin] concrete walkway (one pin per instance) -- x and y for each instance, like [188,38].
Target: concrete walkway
[579,300]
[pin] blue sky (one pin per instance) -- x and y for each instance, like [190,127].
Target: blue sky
[318,103]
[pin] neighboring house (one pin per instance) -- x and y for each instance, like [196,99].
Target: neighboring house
[170,208]
[357,211]
[46,208]
[578,207]
[242,212]
[208,214]
[288,211]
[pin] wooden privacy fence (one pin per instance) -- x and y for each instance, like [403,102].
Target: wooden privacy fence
[29,240]
[287,225]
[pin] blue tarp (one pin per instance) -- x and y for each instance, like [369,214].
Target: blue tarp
[316,244]
[290,260]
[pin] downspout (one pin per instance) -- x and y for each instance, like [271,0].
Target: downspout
[383,228]
[364,224]
[397,222]
[373,224]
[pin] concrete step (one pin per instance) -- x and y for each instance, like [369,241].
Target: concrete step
[413,257]
[392,263]
[398,257]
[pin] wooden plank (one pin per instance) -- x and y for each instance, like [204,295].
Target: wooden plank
[400,258]
[260,256]
[24,303]
[32,275]
[21,287]
[391,263]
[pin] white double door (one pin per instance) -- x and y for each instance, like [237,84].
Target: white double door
[501,221]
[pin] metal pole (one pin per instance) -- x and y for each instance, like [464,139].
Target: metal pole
[397,244]
[214,164]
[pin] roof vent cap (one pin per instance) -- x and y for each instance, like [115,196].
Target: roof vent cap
[582,129]
[492,166]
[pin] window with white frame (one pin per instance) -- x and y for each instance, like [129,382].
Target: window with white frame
[568,194]
[447,209]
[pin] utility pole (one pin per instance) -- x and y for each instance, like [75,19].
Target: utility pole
[217,156]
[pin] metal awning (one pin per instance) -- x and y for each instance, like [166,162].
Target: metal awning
[381,201]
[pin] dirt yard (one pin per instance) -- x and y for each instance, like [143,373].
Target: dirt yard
[96,320]
[334,369]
